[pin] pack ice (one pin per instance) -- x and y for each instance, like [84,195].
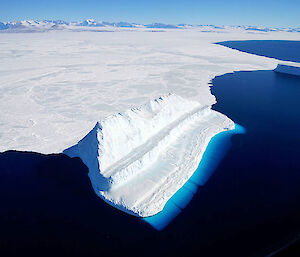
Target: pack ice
[138,159]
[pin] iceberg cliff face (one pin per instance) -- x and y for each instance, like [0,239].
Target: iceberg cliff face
[138,159]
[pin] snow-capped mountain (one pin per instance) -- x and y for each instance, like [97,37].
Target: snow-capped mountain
[93,25]
[90,23]
[32,25]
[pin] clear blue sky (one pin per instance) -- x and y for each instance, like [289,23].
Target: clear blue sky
[283,13]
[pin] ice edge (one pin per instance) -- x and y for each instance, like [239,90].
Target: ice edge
[139,159]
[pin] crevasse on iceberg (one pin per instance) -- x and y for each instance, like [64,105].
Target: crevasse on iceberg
[139,158]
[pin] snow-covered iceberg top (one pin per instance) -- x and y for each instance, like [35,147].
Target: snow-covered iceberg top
[138,159]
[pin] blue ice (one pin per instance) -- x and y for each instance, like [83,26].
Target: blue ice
[214,153]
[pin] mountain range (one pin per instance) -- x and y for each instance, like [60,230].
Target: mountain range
[93,25]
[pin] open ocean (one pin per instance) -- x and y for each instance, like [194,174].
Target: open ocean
[248,207]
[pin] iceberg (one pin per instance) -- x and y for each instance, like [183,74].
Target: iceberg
[292,69]
[140,158]
[214,153]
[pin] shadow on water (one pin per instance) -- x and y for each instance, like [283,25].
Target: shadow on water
[248,207]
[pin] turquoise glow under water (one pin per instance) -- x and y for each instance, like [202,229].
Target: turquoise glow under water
[214,153]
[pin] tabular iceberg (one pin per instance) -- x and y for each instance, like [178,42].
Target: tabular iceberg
[139,158]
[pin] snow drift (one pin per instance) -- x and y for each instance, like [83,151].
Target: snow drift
[138,159]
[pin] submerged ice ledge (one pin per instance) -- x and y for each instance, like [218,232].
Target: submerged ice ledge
[139,159]
[214,153]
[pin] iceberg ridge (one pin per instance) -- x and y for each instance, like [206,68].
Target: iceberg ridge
[139,158]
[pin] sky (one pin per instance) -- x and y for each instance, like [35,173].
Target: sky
[269,13]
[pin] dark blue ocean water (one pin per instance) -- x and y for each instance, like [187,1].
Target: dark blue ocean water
[280,49]
[248,206]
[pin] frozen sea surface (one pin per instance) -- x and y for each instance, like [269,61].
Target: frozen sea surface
[249,206]
[54,86]
[251,201]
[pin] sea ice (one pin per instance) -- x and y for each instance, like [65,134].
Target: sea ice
[138,159]
[54,86]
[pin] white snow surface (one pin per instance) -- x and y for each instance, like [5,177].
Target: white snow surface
[54,86]
[138,159]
